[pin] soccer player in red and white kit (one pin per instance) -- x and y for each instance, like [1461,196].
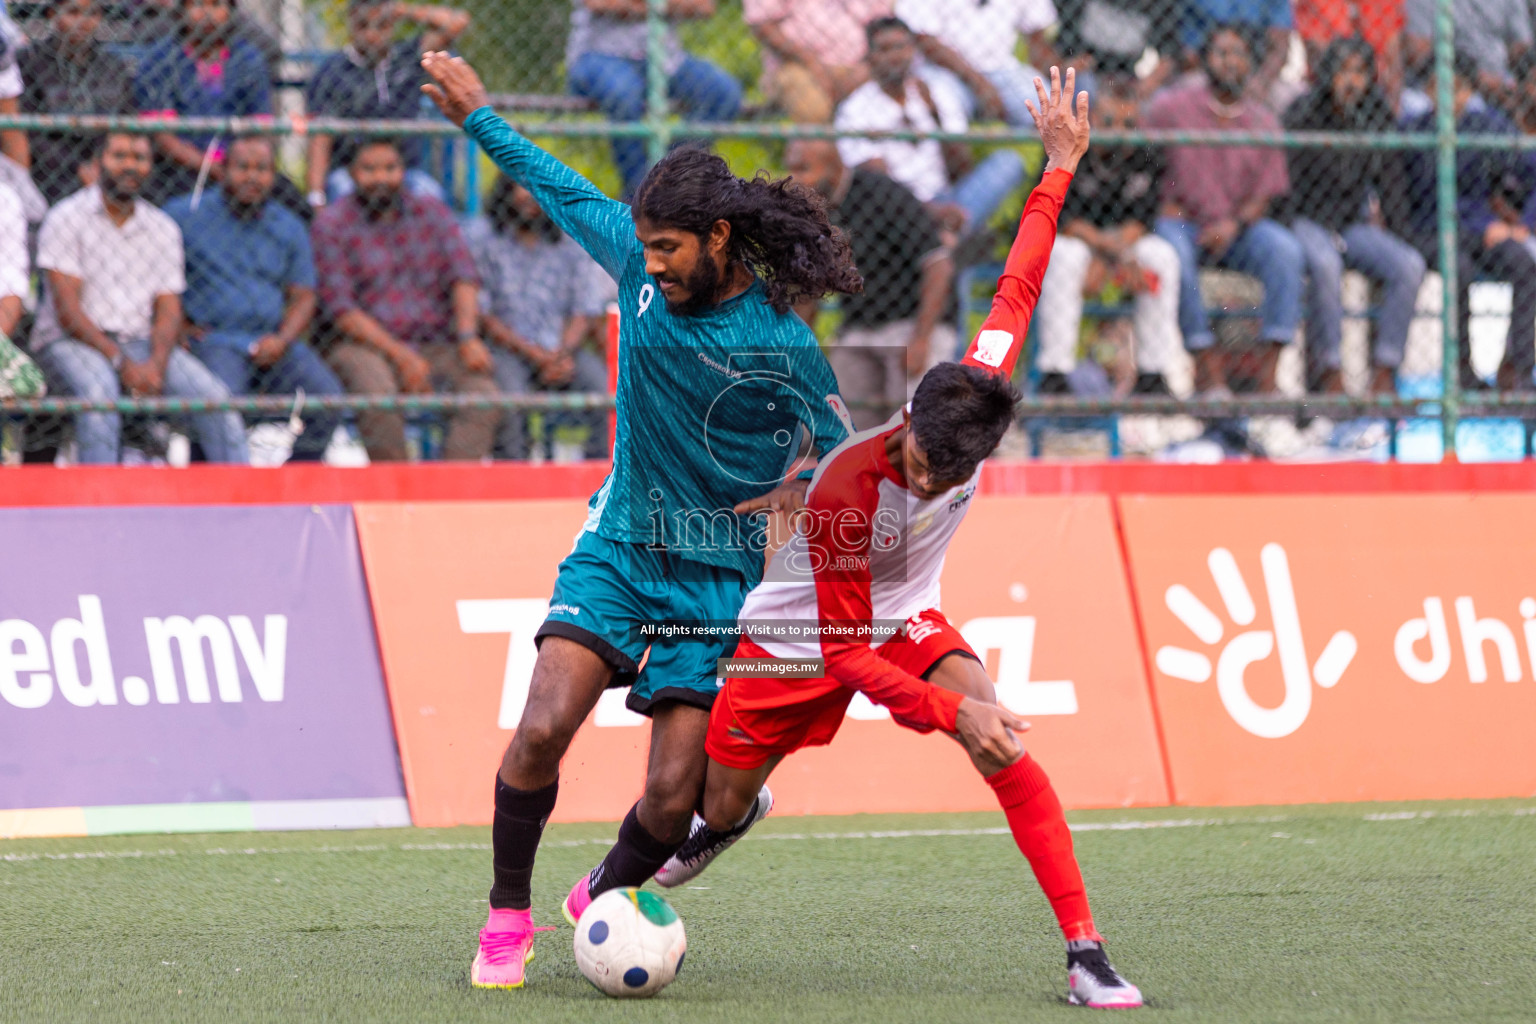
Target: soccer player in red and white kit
[870,546]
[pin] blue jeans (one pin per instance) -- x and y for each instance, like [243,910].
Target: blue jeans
[617,86]
[986,187]
[1266,250]
[227,354]
[1379,255]
[86,373]
[514,376]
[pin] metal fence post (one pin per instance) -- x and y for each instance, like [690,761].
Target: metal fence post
[1445,151]
[656,79]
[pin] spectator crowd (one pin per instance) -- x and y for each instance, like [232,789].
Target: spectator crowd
[188,264]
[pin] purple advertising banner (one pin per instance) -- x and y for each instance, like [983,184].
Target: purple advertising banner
[178,658]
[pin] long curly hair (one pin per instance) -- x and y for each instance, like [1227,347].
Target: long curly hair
[779,229]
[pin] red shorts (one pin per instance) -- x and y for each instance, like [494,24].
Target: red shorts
[756,719]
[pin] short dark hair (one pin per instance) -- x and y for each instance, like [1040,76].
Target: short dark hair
[1340,50]
[959,414]
[879,25]
[240,140]
[353,6]
[1463,66]
[1243,31]
[369,141]
[99,145]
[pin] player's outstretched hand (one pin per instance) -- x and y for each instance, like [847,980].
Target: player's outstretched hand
[1062,124]
[987,731]
[455,87]
[787,499]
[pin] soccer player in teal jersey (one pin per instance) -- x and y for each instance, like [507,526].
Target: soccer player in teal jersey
[717,379]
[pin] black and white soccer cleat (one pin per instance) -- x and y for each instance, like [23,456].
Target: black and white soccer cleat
[1093,981]
[704,844]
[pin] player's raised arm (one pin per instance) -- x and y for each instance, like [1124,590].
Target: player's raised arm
[601,225]
[1063,127]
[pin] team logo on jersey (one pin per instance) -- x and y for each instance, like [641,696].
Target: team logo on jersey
[840,410]
[992,346]
[647,294]
[960,500]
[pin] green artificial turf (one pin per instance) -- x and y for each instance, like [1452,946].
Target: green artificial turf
[1365,912]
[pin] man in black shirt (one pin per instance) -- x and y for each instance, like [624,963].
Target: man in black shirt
[1106,235]
[893,331]
[1336,204]
[68,72]
[375,77]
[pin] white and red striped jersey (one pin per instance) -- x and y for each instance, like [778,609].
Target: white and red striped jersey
[865,547]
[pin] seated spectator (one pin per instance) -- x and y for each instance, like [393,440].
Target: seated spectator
[13,143]
[68,71]
[975,40]
[897,99]
[1494,33]
[251,289]
[19,376]
[112,315]
[154,20]
[813,52]
[376,77]
[893,330]
[1216,200]
[1118,33]
[1333,194]
[202,71]
[399,287]
[1106,234]
[1266,25]
[540,298]
[1492,188]
[605,58]
[1379,23]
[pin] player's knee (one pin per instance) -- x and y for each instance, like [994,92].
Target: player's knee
[539,742]
[723,809]
[670,798]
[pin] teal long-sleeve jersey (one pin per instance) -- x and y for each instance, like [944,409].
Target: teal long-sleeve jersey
[709,405]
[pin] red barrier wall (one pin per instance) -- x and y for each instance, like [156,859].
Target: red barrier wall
[447,481]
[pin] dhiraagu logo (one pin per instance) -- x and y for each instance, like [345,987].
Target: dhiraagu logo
[1235,655]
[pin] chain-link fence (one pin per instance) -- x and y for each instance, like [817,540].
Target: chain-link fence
[1303,230]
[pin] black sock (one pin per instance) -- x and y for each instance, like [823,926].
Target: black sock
[634,858]
[515,832]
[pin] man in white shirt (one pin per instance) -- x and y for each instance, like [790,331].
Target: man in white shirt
[896,98]
[18,377]
[111,321]
[975,40]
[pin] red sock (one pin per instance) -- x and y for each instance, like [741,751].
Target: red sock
[1039,827]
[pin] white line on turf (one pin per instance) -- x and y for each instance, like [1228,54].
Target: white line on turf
[922,833]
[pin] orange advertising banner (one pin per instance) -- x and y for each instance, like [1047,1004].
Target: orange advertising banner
[1331,648]
[1037,586]
[458,590]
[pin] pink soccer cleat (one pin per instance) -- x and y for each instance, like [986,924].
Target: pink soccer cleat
[577,902]
[506,946]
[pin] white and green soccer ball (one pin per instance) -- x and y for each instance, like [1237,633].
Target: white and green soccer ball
[630,943]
